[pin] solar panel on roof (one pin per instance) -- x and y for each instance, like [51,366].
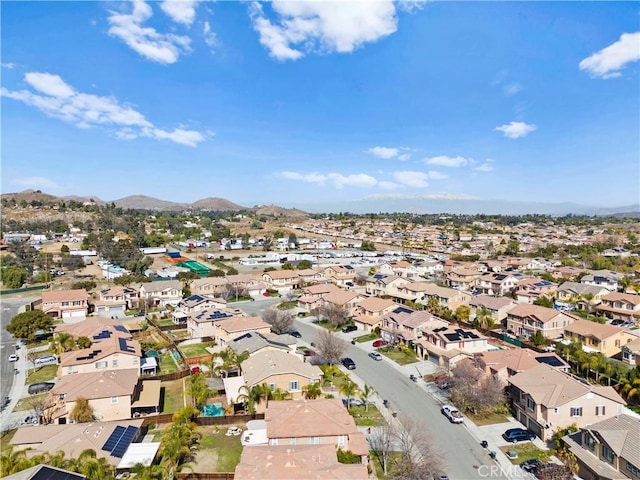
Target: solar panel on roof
[125,441]
[403,310]
[551,361]
[102,335]
[121,328]
[124,346]
[452,336]
[113,438]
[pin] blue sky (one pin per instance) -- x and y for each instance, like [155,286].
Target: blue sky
[306,103]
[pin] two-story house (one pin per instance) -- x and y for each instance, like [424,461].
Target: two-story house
[161,293]
[585,296]
[208,286]
[607,450]
[195,303]
[528,290]
[631,353]
[202,324]
[496,306]
[463,278]
[347,299]
[279,370]
[603,278]
[511,361]
[384,285]
[228,329]
[404,325]
[110,352]
[546,399]
[498,284]
[314,422]
[116,300]
[623,306]
[281,280]
[598,337]
[66,304]
[340,274]
[370,311]
[311,295]
[524,320]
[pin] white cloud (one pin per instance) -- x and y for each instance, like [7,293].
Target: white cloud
[608,62]
[8,65]
[487,166]
[512,88]
[180,11]
[384,152]
[447,161]
[163,48]
[337,179]
[516,129]
[385,185]
[327,27]
[57,99]
[434,175]
[209,36]
[404,157]
[412,179]
[421,196]
[411,6]
[37,183]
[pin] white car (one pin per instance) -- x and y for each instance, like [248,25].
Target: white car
[452,413]
[13,357]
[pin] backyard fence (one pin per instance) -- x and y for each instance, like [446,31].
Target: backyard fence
[205,476]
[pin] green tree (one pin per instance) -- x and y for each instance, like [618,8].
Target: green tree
[82,411]
[348,389]
[124,280]
[365,395]
[304,265]
[462,313]
[27,324]
[64,249]
[483,318]
[13,277]
[538,338]
[544,301]
[312,390]
[513,247]
[287,266]
[83,342]
[198,389]
[232,271]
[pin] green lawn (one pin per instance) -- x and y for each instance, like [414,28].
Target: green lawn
[287,305]
[195,349]
[526,451]
[27,403]
[165,322]
[370,418]
[167,364]
[366,338]
[392,458]
[487,419]
[173,396]
[43,374]
[227,449]
[398,356]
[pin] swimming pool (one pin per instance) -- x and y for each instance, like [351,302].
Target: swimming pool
[213,410]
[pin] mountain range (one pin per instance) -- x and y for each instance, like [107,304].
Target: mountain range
[418,205]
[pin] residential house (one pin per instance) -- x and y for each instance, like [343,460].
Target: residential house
[631,352]
[116,300]
[528,290]
[498,284]
[109,392]
[348,300]
[598,337]
[110,352]
[404,325]
[311,295]
[279,370]
[208,286]
[546,399]
[202,324]
[585,296]
[66,304]
[607,450]
[195,303]
[228,329]
[511,361]
[73,439]
[340,274]
[447,297]
[496,306]
[314,422]
[524,320]
[623,306]
[161,293]
[384,285]
[248,283]
[401,268]
[566,273]
[463,278]
[603,278]
[309,276]
[281,280]
[370,311]
[40,472]
[437,342]
[253,342]
[298,461]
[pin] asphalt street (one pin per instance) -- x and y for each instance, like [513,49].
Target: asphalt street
[7,344]
[461,450]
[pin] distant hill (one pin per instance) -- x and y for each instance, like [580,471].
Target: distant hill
[276,211]
[142,202]
[216,204]
[29,196]
[84,199]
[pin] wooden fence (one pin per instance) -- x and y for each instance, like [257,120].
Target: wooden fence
[205,476]
[203,421]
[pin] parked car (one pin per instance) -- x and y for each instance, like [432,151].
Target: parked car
[452,413]
[379,343]
[532,465]
[13,357]
[41,387]
[349,284]
[295,334]
[46,360]
[31,420]
[348,363]
[376,356]
[195,370]
[309,353]
[515,435]
[349,328]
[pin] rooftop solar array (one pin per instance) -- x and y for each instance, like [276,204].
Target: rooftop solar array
[195,298]
[102,335]
[460,334]
[124,346]
[552,361]
[124,442]
[403,310]
[91,355]
[121,328]
[113,438]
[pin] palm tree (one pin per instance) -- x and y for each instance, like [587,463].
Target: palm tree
[62,342]
[483,318]
[92,467]
[14,461]
[365,395]
[312,390]
[263,392]
[249,397]
[348,389]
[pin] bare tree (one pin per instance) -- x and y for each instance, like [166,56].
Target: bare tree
[418,458]
[475,391]
[336,314]
[330,346]
[280,321]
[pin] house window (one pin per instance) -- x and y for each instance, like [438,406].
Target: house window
[599,410]
[314,440]
[633,469]
[72,369]
[531,405]
[65,304]
[114,400]
[101,364]
[114,362]
[589,442]
[576,411]
[293,441]
[556,410]
[608,454]
[342,440]
[294,386]
[272,387]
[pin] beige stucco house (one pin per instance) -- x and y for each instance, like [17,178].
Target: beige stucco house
[598,337]
[66,304]
[524,319]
